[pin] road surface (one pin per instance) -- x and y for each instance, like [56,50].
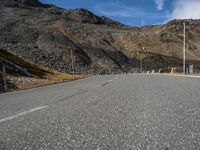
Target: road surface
[104,112]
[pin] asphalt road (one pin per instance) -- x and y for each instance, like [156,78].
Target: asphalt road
[104,112]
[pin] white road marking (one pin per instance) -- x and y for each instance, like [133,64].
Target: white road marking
[177,75]
[109,81]
[42,107]
[22,114]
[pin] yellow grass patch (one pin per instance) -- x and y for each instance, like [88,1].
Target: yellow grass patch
[62,76]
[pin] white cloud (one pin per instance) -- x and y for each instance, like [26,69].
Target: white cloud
[160,4]
[186,9]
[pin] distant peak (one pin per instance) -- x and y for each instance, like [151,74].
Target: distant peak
[82,11]
[32,3]
[86,16]
[16,3]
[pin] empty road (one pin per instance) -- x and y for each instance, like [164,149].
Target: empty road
[147,112]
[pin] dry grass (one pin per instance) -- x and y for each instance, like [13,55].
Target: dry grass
[40,76]
[62,76]
[35,70]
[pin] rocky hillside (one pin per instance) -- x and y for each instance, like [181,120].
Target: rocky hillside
[51,37]
[22,74]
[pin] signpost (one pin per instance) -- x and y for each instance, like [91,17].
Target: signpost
[191,69]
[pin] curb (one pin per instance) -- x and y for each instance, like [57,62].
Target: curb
[177,75]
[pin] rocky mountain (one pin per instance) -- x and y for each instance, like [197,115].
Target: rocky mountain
[51,37]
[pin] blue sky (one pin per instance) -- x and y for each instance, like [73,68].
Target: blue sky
[136,12]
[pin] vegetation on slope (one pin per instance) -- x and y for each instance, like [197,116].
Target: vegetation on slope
[22,74]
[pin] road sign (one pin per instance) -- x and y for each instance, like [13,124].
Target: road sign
[191,69]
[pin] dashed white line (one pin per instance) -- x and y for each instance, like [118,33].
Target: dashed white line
[22,114]
[109,81]
[38,108]
[115,78]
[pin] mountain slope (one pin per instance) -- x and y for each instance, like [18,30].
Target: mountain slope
[51,37]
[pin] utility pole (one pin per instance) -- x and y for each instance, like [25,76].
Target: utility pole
[184,48]
[72,59]
[140,68]
[141,58]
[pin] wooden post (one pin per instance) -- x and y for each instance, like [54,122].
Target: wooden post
[4,77]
